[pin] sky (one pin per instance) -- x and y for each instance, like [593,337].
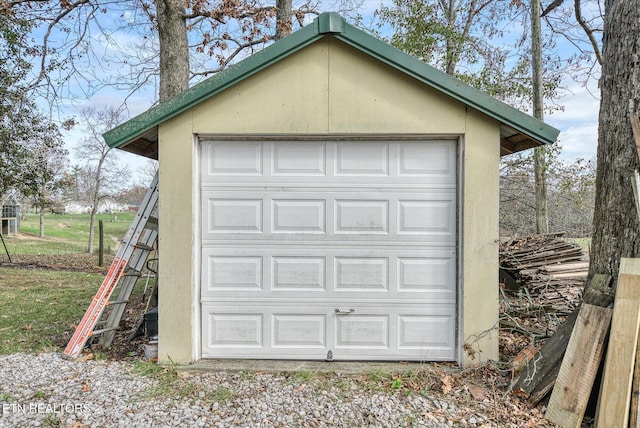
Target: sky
[577,120]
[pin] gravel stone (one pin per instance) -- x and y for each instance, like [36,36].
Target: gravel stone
[47,390]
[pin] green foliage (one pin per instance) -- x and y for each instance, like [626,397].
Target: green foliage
[27,138]
[417,28]
[467,39]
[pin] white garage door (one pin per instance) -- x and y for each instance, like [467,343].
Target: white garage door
[324,249]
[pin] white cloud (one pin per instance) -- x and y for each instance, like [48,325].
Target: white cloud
[578,122]
[579,141]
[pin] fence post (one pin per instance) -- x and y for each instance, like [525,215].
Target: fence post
[100,243]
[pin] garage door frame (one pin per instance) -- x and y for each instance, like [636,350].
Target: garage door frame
[197,213]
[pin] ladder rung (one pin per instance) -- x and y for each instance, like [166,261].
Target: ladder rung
[134,273]
[143,247]
[96,332]
[118,302]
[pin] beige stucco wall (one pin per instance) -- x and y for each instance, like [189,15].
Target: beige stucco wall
[328,88]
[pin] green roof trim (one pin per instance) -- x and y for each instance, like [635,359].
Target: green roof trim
[334,24]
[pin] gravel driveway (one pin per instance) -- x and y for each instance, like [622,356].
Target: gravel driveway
[46,390]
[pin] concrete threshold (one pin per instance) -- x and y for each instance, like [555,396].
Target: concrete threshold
[285,366]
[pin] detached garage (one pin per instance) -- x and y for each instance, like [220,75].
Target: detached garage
[329,198]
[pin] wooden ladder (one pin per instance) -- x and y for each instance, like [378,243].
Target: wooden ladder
[125,269]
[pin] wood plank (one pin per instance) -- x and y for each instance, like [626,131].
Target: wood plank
[539,375]
[635,182]
[566,266]
[635,124]
[579,367]
[634,421]
[615,392]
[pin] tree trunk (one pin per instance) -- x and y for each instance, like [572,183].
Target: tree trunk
[539,161]
[283,18]
[42,223]
[174,49]
[615,223]
[92,227]
[95,201]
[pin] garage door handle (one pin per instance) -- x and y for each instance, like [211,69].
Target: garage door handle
[345,311]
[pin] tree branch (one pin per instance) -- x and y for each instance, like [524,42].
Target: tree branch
[588,30]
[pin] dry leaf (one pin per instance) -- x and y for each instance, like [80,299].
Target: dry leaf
[85,387]
[430,416]
[478,393]
[447,384]
[86,357]
[520,393]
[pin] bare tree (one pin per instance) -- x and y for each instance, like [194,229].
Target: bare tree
[542,215]
[105,175]
[571,191]
[46,176]
[177,41]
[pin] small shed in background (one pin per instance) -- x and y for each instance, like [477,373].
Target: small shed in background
[10,215]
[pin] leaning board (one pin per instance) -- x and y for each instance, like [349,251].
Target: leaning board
[579,367]
[615,391]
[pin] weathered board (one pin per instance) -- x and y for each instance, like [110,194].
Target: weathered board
[538,377]
[615,392]
[579,367]
[634,421]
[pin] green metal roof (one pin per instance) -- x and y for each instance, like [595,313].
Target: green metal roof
[518,128]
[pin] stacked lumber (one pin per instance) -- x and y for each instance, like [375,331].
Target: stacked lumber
[543,261]
[551,270]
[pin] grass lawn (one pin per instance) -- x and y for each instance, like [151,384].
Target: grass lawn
[64,234]
[39,306]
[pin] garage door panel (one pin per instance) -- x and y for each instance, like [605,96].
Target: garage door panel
[361,274]
[233,330]
[428,218]
[323,163]
[298,274]
[433,160]
[343,273]
[229,273]
[298,216]
[299,330]
[310,332]
[234,216]
[426,275]
[351,160]
[358,216]
[425,333]
[232,159]
[366,331]
[300,159]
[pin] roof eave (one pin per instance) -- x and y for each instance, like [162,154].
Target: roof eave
[535,131]
[502,112]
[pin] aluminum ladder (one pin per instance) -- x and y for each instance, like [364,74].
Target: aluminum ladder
[126,270]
